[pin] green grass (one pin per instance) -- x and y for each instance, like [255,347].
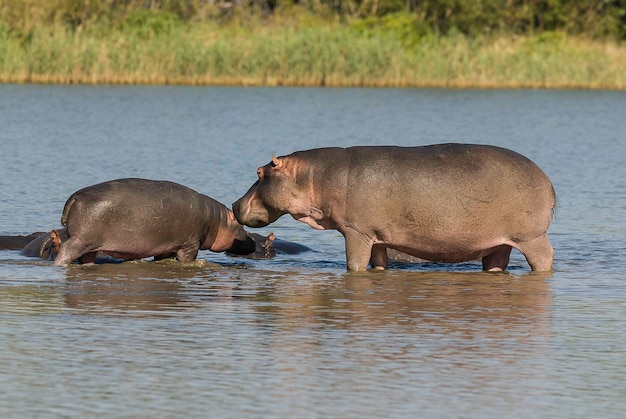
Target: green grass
[308,54]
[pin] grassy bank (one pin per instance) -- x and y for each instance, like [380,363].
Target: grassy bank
[308,54]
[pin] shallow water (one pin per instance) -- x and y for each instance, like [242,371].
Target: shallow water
[297,335]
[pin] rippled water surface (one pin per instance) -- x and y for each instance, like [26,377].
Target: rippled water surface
[297,336]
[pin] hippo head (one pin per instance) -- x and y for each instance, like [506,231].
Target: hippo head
[45,246]
[232,237]
[275,193]
[264,245]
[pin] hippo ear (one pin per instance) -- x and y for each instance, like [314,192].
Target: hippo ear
[56,240]
[276,162]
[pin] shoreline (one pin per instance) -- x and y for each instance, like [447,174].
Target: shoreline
[46,80]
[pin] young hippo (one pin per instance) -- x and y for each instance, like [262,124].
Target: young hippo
[443,203]
[137,218]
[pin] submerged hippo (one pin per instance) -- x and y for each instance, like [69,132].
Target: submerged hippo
[45,245]
[268,247]
[137,218]
[17,242]
[443,203]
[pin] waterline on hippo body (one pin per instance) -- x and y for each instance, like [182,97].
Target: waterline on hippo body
[46,246]
[439,200]
[42,245]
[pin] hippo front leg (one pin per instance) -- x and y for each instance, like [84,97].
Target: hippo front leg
[188,254]
[358,251]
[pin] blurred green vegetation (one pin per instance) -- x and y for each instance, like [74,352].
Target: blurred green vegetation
[592,18]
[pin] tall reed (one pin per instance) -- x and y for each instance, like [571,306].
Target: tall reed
[331,54]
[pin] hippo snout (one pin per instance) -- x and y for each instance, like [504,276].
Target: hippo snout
[237,211]
[246,216]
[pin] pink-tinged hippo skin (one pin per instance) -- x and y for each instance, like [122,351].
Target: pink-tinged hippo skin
[137,218]
[443,203]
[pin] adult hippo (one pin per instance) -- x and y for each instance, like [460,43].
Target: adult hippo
[443,203]
[137,218]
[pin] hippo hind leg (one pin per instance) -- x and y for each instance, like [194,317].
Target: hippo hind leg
[88,258]
[497,260]
[538,252]
[379,258]
[71,250]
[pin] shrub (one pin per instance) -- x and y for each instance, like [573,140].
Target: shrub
[402,26]
[145,23]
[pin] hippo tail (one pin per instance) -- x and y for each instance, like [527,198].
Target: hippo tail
[555,203]
[66,210]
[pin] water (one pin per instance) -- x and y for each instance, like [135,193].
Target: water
[297,336]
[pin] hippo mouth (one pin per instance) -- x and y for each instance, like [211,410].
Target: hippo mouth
[315,218]
[311,222]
